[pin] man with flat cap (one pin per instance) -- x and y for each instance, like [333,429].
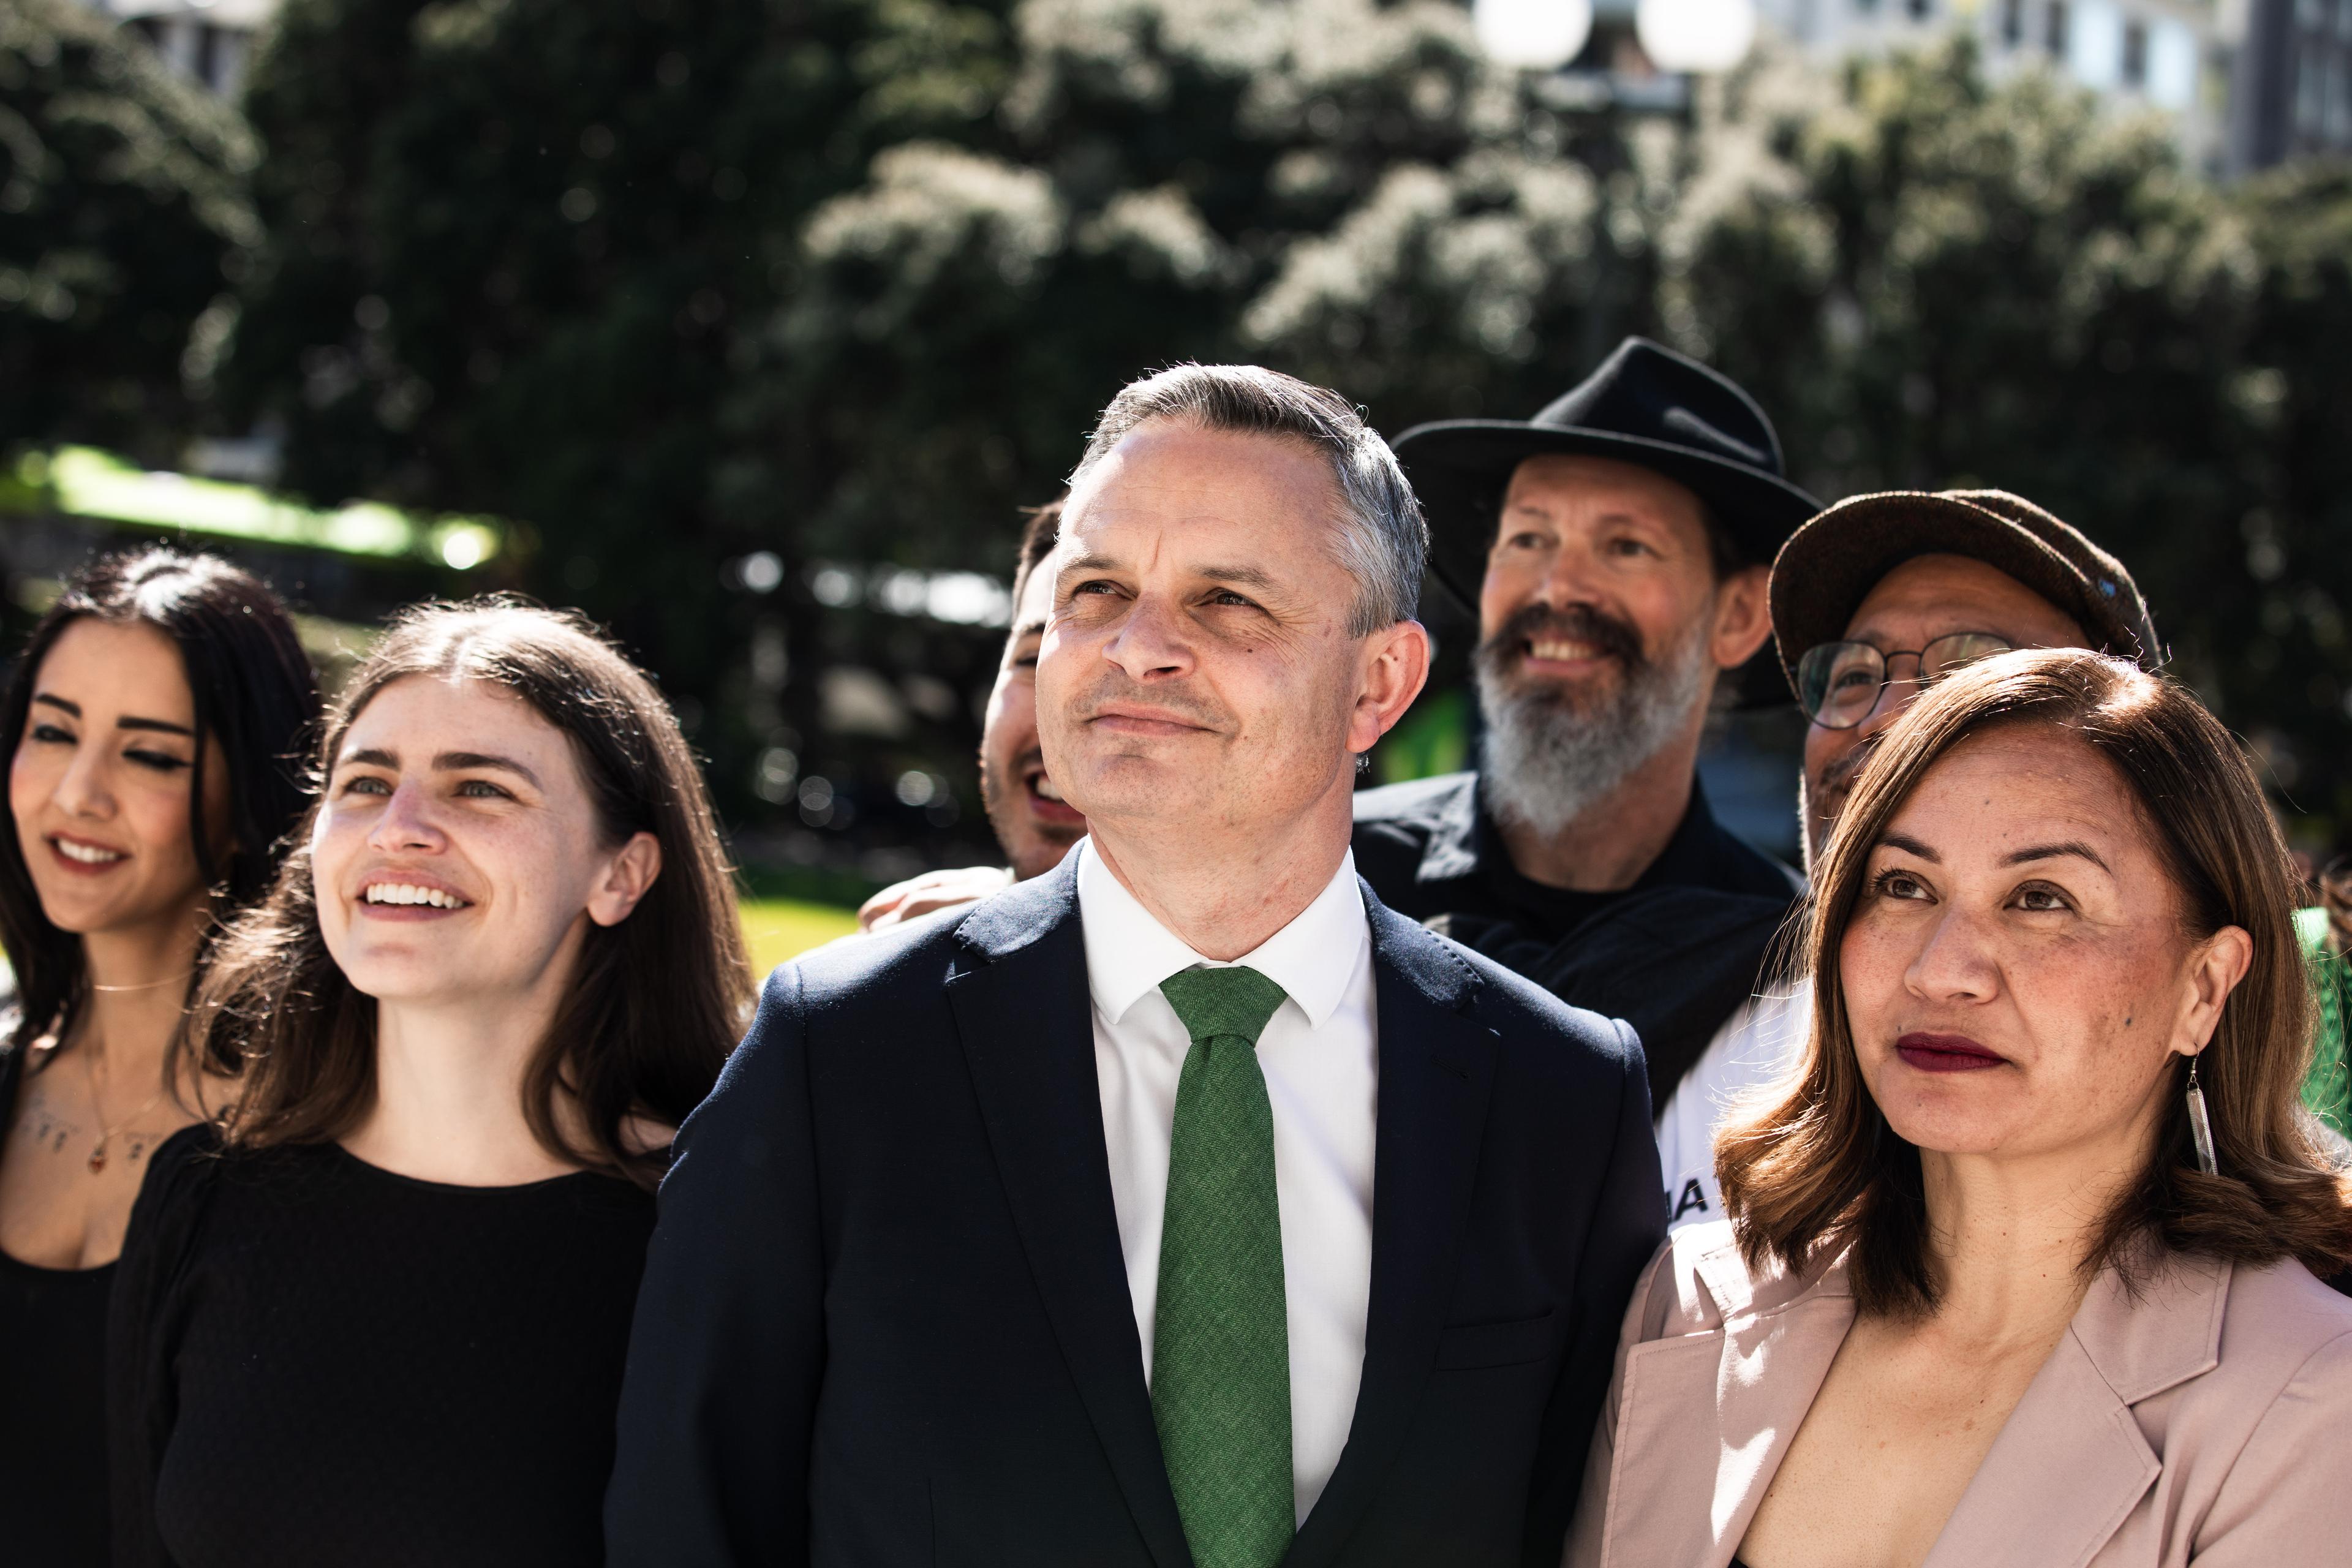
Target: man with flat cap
[1872,600]
[1881,594]
[1615,547]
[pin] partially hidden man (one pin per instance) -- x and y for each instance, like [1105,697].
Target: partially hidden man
[1183,1205]
[1617,548]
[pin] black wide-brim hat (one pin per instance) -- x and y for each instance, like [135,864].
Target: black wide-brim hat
[1647,406]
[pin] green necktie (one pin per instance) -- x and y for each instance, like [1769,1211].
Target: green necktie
[1221,1339]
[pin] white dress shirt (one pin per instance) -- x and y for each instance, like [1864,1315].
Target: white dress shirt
[1319,1056]
[1755,1046]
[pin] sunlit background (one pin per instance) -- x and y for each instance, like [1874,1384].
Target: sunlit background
[749,328]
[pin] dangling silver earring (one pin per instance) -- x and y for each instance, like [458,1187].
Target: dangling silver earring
[2201,1125]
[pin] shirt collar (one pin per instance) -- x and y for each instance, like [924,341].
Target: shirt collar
[1129,953]
[1688,859]
[1466,837]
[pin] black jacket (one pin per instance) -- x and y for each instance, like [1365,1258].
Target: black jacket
[885,1317]
[1675,954]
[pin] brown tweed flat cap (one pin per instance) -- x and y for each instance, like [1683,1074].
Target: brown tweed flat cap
[1830,565]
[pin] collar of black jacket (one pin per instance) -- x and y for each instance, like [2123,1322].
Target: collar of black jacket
[1462,838]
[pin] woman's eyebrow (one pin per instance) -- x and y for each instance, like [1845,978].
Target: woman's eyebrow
[1910,846]
[74,710]
[459,762]
[444,762]
[2051,851]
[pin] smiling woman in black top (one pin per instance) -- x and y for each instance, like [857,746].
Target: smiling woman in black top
[149,736]
[384,1323]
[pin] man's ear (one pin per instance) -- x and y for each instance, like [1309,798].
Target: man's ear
[626,879]
[1396,666]
[1743,616]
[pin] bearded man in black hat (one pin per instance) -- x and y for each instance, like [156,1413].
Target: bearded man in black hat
[1617,548]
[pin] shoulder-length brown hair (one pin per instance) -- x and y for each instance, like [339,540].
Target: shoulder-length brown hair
[1818,1167]
[657,999]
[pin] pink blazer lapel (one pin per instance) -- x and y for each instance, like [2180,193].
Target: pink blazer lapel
[2071,1463]
[1677,1498]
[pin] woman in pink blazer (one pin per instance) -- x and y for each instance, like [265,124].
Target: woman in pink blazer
[2020,1263]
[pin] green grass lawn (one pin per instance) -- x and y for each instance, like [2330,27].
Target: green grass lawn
[779,929]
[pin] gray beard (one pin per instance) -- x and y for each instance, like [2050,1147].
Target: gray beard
[1543,762]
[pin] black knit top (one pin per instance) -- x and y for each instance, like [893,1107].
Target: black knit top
[316,1361]
[52,1415]
[52,1392]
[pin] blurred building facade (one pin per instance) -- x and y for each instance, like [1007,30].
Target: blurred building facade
[2246,84]
[2292,89]
[2249,83]
[208,41]
[2171,56]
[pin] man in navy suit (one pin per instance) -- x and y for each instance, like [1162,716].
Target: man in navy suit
[1183,1206]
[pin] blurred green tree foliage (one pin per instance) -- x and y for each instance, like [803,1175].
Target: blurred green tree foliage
[2281,607]
[122,201]
[517,251]
[848,279]
[1934,283]
[680,280]
[518,257]
[1342,188]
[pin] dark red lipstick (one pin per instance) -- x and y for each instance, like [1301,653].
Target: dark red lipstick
[1946,1053]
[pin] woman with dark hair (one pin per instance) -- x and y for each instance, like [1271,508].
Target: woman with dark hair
[382,1319]
[152,730]
[2021,1262]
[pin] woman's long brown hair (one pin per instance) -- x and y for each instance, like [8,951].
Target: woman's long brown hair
[656,1002]
[257,709]
[1816,1167]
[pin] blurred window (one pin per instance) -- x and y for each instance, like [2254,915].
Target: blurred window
[2172,65]
[2095,44]
[2135,54]
[2012,22]
[2053,29]
[2310,93]
[232,49]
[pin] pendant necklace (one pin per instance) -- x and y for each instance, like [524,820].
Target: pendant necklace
[97,1160]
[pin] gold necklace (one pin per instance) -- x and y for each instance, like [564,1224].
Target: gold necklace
[97,1160]
[144,984]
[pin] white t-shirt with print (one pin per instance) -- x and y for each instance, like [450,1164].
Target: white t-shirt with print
[1754,1046]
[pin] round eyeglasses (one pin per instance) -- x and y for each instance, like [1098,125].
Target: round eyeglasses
[1838,683]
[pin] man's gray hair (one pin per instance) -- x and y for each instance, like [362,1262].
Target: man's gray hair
[1383,542]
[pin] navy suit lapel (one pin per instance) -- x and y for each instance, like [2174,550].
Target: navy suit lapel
[1022,1007]
[1436,1074]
